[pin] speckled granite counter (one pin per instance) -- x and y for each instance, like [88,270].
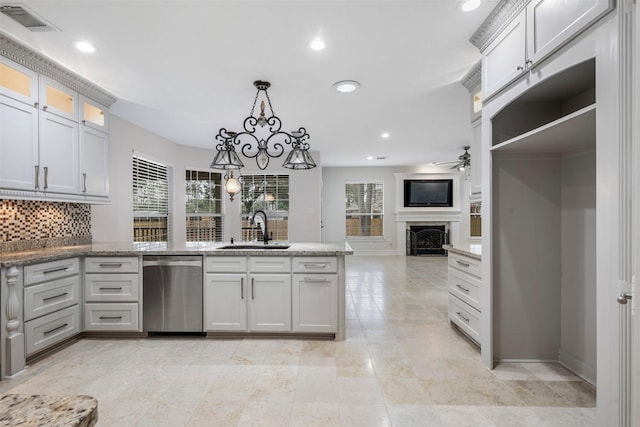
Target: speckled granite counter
[135,249]
[472,251]
[47,411]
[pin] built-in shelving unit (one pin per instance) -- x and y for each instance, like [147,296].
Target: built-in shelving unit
[543,205]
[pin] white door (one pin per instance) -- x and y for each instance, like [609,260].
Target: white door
[94,162]
[315,303]
[504,59]
[18,145]
[225,302]
[59,153]
[270,302]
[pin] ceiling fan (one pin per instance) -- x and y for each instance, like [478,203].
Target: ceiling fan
[463,162]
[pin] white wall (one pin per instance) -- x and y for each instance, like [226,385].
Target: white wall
[333,204]
[578,287]
[114,222]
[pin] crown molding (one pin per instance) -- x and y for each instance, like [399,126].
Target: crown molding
[472,79]
[49,68]
[503,14]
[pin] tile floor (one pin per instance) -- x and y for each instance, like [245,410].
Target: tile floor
[402,365]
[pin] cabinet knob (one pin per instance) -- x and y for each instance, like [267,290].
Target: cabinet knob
[623,298]
[528,62]
[44,108]
[520,68]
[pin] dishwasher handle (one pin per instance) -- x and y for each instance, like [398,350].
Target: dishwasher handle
[161,263]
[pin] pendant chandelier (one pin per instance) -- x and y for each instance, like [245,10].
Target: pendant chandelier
[262,139]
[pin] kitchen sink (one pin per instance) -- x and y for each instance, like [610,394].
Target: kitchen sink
[257,246]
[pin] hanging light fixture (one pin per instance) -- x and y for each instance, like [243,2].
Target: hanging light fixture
[232,185]
[262,133]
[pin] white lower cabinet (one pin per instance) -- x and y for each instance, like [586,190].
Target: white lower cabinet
[465,295]
[51,303]
[315,303]
[271,294]
[112,294]
[225,304]
[270,303]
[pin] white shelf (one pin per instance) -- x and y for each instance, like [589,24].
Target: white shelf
[568,133]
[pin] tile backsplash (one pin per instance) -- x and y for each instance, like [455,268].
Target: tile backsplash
[29,224]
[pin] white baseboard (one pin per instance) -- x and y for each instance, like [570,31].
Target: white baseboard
[578,367]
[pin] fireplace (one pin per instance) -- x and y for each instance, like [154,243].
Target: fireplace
[427,239]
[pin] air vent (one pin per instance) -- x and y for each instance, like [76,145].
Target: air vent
[26,18]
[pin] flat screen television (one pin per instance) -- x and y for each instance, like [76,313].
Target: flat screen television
[428,193]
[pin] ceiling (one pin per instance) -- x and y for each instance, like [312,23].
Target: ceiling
[184,69]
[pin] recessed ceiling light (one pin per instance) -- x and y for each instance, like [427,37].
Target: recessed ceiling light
[317,44]
[385,135]
[469,5]
[369,157]
[346,86]
[85,47]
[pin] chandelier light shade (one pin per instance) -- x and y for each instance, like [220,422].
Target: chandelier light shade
[226,157]
[262,139]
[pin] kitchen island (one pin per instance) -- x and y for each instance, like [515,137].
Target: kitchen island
[53,295]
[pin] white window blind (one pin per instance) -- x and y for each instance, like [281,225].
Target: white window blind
[150,201]
[204,202]
[269,193]
[364,209]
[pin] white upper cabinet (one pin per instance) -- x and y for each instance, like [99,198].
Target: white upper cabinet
[18,82]
[505,58]
[57,99]
[54,142]
[543,27]
[551,23]
[18,145]
[94,162]
[58,151]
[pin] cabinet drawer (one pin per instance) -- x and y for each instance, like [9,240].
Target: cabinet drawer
[465,287]
[466,264]
[111,317]
[226,264]
[47,330]
[315,264]
[51,296]
[111,265]
[267,264]
[111,287]
[466,317]
[50,270]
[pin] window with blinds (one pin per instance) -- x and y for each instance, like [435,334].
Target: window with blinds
[204,201]
[150,201]
[364,209]
[269,193]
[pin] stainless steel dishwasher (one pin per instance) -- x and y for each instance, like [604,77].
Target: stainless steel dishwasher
[172,294]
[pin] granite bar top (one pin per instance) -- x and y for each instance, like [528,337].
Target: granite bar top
[8,259]
[470,250]
[47,411]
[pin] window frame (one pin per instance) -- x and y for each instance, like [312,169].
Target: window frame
[151,164]
[250,177]
[371,213]
[220,202]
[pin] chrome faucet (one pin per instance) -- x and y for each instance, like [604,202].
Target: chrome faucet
[265,232]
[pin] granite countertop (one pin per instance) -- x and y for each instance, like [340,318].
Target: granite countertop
[471,250]
[8,259]
[50,411]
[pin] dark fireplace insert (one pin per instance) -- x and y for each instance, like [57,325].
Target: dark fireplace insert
[427,240]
